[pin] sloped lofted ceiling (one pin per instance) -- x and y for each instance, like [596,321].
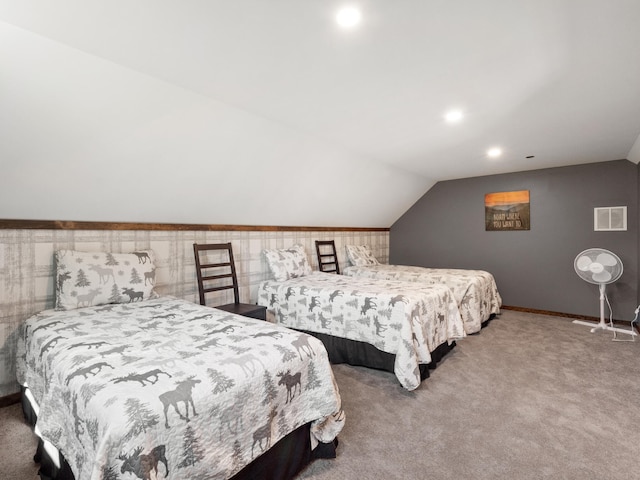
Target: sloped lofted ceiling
[273,114]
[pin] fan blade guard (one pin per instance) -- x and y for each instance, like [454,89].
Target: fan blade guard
[598,266]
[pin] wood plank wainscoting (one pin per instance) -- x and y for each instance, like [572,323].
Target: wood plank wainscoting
[27,270]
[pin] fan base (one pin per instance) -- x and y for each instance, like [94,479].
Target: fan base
[604,326]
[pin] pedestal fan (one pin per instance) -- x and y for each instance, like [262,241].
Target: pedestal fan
[600,267]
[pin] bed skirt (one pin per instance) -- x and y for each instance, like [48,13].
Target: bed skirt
[283,461]
[353,352]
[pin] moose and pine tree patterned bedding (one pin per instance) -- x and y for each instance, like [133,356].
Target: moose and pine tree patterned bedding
[474,290]
[405,319]
[170,389]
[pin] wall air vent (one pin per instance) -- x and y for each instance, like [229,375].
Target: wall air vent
[610,219]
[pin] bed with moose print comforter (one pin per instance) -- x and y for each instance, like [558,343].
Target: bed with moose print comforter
[474,290]
[170,389]
[405,319]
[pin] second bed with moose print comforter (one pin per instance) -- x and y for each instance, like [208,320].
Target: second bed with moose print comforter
[406,319]
[474,290]
[170,389]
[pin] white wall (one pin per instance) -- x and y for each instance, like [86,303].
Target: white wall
[82,138]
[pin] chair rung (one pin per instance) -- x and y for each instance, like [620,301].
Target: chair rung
[212,265]
[215,289]
[217,277]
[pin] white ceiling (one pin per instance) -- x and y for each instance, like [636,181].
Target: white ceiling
[556,79]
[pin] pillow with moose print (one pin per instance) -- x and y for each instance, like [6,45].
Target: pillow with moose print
[85,279]
[288,263]
[361,255]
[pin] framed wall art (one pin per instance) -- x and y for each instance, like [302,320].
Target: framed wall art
[507,211]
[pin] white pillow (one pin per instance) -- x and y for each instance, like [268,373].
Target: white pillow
[360,255]
[288,263]
[85,279]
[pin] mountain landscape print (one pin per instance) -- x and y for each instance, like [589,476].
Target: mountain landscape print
[507,211]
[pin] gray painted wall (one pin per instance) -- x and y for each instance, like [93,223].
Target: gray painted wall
[533,269]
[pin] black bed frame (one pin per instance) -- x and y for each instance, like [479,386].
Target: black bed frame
[353,352]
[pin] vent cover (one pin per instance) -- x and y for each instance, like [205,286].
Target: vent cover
[610,219]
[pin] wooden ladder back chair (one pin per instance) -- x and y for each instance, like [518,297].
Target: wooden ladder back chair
[327,262]
[222,274]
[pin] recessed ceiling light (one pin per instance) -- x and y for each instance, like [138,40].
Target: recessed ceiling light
[348,17]
[453,116]
[494,152]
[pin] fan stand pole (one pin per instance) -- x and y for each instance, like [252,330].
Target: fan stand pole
[603,325]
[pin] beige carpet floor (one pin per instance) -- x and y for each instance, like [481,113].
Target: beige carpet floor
[529,397]
[17,446]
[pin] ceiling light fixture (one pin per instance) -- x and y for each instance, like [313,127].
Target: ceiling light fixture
[494,152]
[453,116]
[348,17]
